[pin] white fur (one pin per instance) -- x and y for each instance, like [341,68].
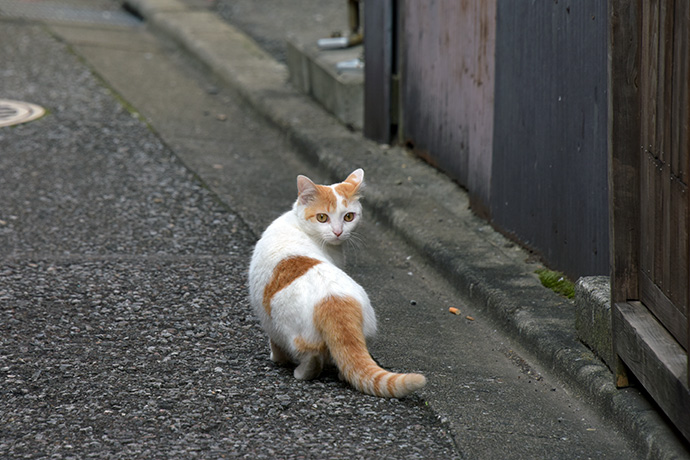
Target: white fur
[292,308]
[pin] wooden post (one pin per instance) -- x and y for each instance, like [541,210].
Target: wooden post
[624,155]
[378,57]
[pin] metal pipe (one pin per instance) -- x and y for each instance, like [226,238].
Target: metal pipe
[354,38]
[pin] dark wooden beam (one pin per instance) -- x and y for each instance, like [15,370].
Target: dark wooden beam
[624,155]
[656,359]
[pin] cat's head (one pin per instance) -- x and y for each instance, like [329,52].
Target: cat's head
[330,213]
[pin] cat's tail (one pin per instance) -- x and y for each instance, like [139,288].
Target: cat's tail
[339,320]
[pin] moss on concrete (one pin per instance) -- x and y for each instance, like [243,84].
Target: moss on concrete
[557,282]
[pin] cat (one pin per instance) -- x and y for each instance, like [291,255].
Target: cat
[312,311]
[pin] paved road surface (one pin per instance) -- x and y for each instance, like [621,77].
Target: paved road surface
[125,328]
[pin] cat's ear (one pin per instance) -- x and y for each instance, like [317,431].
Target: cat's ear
[352,186]
[356,177]
[306,189]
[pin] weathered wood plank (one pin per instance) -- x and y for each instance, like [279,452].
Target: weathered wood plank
[656,91]
[647,213]
[624,148]
[663,276]
[680,89]
[682,166]
[649,74]
[624,155]
[664,309]
[666,43]
[447,89]
[679,292]
[656,359]
[679,268]
[655,192]
[665,74]
[647,106]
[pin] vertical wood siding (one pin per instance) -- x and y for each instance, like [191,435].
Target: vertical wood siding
[447,88]
[549,172]
[665,100]
[650,167]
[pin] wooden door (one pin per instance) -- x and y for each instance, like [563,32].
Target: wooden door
[649,90]
[664,141]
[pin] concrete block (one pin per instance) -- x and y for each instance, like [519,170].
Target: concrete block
[313,71]
[593,316]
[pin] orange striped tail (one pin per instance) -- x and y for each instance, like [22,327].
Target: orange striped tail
[339,320]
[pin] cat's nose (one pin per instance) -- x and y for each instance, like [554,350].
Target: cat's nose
[337,232]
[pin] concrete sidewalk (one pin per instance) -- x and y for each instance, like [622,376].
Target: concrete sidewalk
[428,210]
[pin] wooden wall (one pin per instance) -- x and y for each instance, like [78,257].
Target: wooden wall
[649,78]
[447,85]
[509,98]
[665,100]
[549,166]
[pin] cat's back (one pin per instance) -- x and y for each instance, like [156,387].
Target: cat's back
[281,239]
[282,245]
[286,259]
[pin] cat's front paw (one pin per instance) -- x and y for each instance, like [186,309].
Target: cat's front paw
[278,356]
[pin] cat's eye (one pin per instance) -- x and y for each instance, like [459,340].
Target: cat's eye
[323,218]
[349,217]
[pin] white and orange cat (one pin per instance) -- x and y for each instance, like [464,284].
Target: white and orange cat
[312,311]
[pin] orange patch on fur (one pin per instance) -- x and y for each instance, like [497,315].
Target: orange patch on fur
[324,201]
[349,188]
[342,317]
[391,384]
[378,376]
[339,320]
[346,189]
[287,271]
[310,348]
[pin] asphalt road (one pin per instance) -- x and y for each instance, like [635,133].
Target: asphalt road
[127,220]
[125,330]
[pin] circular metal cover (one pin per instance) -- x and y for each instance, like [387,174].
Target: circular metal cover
[15,112]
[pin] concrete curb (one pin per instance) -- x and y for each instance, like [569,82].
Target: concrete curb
[313,71]
[593,316]
[488,269]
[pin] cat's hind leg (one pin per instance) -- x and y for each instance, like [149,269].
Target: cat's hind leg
[309,367]
[278,356]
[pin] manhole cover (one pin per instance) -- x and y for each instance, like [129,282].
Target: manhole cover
[15,112]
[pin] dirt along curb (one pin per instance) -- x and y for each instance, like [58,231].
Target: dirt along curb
[430,212]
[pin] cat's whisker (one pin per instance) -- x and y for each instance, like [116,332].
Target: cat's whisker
[356,241]
[359,240]
[353,245]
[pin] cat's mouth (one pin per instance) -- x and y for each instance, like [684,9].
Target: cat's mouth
[337,240]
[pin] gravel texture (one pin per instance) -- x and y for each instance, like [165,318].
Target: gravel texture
[127,359]
[125,330]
